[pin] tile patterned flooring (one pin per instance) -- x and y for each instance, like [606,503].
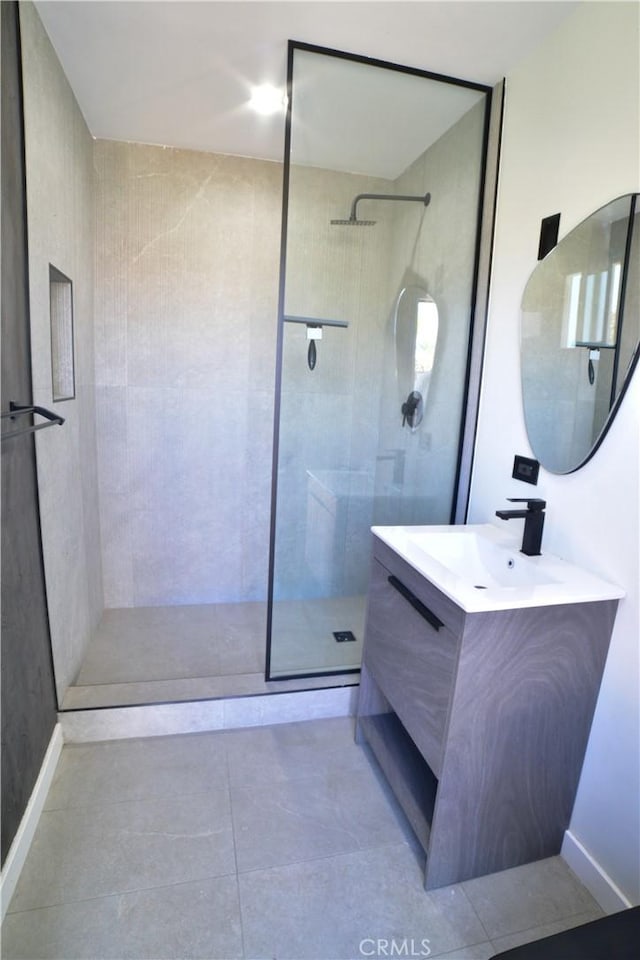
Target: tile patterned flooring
[270,842]
[159,654]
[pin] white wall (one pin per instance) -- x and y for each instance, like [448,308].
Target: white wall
[570,144]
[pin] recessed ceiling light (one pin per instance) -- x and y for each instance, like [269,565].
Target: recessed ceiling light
[267,99]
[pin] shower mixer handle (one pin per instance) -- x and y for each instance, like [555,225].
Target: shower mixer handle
[411,409]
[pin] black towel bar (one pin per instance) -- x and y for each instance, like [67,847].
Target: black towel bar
[21,409]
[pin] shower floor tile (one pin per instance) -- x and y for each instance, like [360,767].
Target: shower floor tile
[138,644]
[208,651]
[302,635]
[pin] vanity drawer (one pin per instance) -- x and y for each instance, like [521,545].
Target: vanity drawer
[412,661]
[445,609]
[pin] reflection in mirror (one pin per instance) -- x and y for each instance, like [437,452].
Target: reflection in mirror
[415,325]
[580,334]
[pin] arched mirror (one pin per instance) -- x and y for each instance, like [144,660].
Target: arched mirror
[415,327]
[580,335]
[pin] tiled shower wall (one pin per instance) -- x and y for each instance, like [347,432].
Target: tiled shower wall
[329,416]
[342,423]
[187,253]
[59,168]
[434,248]
[187,257]
[186,313]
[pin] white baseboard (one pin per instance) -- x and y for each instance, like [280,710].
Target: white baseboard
[22,841]
[590,873]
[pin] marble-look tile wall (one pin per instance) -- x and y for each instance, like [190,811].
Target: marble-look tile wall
[342,422]
[186,315]
[434,247]
[59,165]
[187,253]
[329,416]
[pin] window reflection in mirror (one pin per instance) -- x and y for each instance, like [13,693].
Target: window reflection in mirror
[580,333]
[416,334]
[426,338]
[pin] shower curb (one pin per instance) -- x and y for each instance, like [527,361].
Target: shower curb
[198,716]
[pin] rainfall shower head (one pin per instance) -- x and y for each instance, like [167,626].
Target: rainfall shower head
[353,219]
[353,222]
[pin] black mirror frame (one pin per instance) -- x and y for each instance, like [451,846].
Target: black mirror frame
[615,406]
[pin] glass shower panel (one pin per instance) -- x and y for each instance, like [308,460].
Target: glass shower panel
[384,180]
[324,510]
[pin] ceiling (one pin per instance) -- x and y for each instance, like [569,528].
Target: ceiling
[359,118]
[179,73]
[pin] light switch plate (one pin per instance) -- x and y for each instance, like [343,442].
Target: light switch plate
[525,469]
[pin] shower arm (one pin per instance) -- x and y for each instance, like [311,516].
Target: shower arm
[385,196]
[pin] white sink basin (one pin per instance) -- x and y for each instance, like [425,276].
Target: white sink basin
[481,567]
[473,557]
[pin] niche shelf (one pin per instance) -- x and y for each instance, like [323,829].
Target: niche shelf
[62,349]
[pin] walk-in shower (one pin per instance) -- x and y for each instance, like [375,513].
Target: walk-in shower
[225,554]
[368,430]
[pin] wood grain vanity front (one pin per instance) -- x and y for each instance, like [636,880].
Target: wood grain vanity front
[414,662]
[480,725]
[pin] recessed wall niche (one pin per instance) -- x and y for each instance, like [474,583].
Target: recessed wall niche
[61,317]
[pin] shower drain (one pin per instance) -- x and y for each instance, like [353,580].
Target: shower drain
[342,636]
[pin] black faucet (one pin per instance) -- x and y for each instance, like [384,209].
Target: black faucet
[533,522]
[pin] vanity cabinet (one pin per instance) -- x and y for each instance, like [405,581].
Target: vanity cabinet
[478,720]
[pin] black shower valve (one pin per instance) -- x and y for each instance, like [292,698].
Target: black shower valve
[409,408]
